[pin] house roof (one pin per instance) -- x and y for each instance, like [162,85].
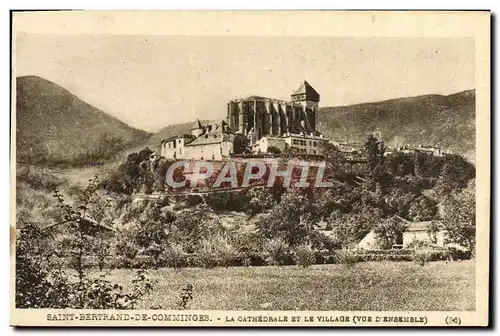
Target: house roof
[416,226]
[197,124]
[210,138]
[419,226]
[185,136]
[262,98]
[258,97]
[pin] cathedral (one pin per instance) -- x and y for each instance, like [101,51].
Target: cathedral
[266,122]
[257,116]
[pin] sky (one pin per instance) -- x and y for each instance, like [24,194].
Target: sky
[153,81]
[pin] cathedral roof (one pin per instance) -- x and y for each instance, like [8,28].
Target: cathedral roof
[210,138]
[305,88]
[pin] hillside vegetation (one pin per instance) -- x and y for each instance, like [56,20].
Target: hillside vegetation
[447,121]
[56,127]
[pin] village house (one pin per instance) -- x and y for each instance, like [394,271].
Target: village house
[416,231]
[303,143]
[426,149]
[206,142]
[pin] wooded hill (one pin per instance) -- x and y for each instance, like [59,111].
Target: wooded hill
[446,121]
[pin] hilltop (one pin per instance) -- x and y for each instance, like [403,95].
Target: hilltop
[446,121]
[54,126]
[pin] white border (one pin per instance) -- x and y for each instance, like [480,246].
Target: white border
[189,4]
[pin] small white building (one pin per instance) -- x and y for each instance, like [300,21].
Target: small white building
[262,145]
[427,149]
[415,231]
[306,144]
[174,147]
[420,231]
[206,142]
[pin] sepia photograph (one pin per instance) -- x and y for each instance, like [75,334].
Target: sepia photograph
[174,168]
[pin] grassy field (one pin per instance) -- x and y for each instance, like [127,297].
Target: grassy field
[363,286]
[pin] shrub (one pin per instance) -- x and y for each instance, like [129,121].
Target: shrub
[459,254]
[39,285]
[33,290]
[421,258]
[273,150]
[99,293]
[226,254]
[186,297]
[207,256]
[174,256]
[125,250]
[346,257]
[304,256]
[419,244]
[276,252]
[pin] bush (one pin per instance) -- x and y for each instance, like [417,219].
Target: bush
[419,244]
[33,290]
[174,256]
[40,285]
[400,254]
[459,254]
[226,254]
[304,256]
[207,256]
[185,298]
[421,258]
[273,150]
[277,252]
[125,250]
[346,257]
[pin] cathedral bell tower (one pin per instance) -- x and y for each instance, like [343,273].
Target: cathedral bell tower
[308,98]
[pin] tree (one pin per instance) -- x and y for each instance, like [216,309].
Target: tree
[398,202]
[76,217]
[241,144]
[422,209]
[261,199]
[390,232]
[273,150]
[351,228]
[293,219]
[333,158]
[128,178]
[374,151]
[455,173]
[400,164]
[459,218]
[41,285]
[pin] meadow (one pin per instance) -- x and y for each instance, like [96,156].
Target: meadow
[389,286]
